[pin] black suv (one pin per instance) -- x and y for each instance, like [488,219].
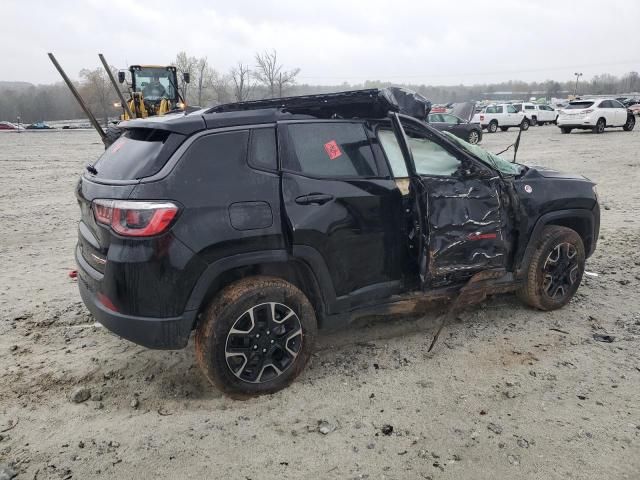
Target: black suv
[256,223]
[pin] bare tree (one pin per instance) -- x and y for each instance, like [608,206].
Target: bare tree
[98,91]
[185,64]
[220,86]
[242,84]
[272,75]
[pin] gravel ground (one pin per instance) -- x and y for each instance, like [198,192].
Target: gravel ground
[509,392]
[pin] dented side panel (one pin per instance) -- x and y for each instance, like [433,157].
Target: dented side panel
[467,226]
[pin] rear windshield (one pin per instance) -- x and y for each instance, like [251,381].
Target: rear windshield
[578,105]
[138,153]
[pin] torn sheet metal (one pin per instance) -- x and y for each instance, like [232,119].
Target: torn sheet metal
[466,226]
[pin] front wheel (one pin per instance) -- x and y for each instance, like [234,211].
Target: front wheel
[525,124]
[555,269]
[534,121]
[256,336]
[631,122]
[474,137]
[565,129]
[504,129]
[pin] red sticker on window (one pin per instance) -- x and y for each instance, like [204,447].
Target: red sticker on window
[332,149]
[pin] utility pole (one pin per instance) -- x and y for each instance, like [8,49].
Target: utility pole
[578,75]
[280,86]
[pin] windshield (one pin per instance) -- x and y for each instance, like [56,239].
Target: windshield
[489,158]
[155,83]
[578,105]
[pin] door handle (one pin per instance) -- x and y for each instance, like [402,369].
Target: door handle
[314,199]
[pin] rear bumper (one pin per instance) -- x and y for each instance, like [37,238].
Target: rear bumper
[170,333]
[576,123]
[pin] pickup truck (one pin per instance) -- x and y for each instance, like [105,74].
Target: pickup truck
[501,116]
[537,114]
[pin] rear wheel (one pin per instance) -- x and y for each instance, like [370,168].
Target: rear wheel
[534,121]
[493,126]
[600,124]
[555,270]
[504,129]
[474,137]
[631,122]
[256,336]
[565,129]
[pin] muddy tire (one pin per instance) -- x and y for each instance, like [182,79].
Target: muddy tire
[113,133]
[256,336]
[555,269]
[493,126]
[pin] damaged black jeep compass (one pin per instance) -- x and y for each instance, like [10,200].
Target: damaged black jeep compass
[257,223]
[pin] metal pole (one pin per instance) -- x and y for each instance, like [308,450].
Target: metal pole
[575,91]
[124,104]
[75,93]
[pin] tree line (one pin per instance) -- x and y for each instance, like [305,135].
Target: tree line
[265,77]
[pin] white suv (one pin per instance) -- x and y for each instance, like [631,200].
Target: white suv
[537,114]
[503,116]
[595,114]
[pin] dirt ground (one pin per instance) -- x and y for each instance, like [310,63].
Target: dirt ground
[509,393]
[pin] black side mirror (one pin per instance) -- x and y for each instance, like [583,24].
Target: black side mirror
[186,76]
[121,76]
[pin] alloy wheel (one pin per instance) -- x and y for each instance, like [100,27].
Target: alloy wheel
[263,342]
[560,271]
[473,137]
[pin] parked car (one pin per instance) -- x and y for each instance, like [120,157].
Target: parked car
[39,126]
[10,126]
[257,223]
[537,114]
[458,123]
[635,108]
[501,116]
[596,115]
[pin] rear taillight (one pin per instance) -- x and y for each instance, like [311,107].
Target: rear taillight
[587,111]
[481,118]
[135,218]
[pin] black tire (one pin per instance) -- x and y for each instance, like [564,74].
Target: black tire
[534,121]
[474,137]
[565,129]
[262,339]
[493,126]
[541,124]
[600,125]
[113,133]
[556,265]
[631,122]
[504,129]
[525,124]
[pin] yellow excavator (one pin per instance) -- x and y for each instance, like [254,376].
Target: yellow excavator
[152,90]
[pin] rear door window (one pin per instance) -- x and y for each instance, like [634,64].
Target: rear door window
[138,153]
[330,149]
[498,109]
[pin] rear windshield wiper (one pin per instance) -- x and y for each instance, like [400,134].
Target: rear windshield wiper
[91,169]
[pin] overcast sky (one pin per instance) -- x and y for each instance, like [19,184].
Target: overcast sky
[431,42]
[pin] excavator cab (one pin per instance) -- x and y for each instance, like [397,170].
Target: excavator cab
[154,90]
